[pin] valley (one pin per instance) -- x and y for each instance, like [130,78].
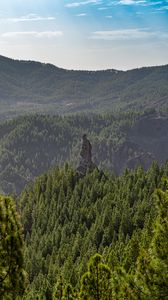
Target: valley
[76,224]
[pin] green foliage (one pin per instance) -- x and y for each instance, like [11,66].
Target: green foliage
[27,86]
[63,291]
[67,219]
[32,145]
[152,264]
[58,290]
[95,283]
[69,293]
[148,276]
[11,255]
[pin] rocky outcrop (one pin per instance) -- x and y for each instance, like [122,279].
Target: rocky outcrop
[86,163]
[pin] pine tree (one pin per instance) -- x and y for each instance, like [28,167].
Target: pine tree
[95,283]
[11,256]
[58,290]
[151,276]
[69,294]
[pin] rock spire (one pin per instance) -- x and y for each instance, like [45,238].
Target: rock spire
[86,157]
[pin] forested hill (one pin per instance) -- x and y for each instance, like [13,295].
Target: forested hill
[68,219]
[27,86]
[29,146]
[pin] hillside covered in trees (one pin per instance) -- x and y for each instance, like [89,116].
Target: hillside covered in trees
[12,274]
[95,237]
[27,86]
[29,146]
[68,219]
[102,236]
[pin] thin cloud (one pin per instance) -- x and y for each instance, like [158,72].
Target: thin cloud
[126,34]
[34,34]
[131,2]
[27,18]
[81,15]
[162,8]
[137,2]
[155,3]
[128,2]
[77,4]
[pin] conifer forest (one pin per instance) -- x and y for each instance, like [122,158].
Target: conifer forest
[83,192]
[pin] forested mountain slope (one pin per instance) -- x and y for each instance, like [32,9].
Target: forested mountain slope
[67,219]
[27,86]
[31,145]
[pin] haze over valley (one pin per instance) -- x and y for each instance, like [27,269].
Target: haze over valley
[84,150]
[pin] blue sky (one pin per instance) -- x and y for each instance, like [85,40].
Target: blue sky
[86,34]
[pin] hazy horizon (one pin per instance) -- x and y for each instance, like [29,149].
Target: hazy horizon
[89,70]
[86,34]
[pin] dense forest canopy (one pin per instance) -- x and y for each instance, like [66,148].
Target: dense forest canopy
[68,219]
[32,145]
[100,236]
[27,86]
[12,275]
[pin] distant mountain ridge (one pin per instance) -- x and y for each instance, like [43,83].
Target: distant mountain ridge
[28,86]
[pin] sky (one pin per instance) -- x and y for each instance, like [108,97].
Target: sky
[86,34]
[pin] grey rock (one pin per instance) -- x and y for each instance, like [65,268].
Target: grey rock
[86,163]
